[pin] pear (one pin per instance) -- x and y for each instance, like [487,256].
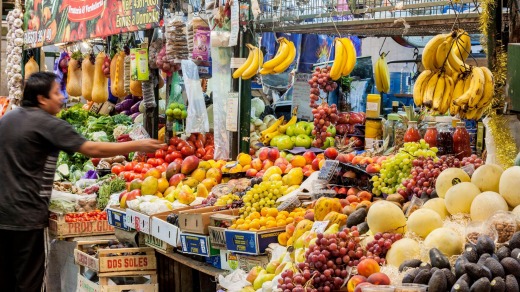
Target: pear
[300,242]
[280,268]
[333,229]
[261,279]
[271,266]
[255,271]
[299,255]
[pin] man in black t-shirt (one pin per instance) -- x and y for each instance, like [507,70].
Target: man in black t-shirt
[30,140]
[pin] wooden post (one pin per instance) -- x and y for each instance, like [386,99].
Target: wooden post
[514,21]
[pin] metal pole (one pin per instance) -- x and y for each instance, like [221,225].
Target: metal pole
[245,97]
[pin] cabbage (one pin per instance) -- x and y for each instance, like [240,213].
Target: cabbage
[257,106]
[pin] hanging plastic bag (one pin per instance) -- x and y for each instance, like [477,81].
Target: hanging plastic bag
[221,86]
[197,121]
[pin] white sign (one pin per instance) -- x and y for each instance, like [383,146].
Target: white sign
[232,112]
[301,96]
[235,23]
[319,226]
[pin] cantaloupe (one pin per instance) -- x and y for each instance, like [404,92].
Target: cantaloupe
[438,205]
[402,250]
[446,240]
[386,216]
[448,178]
[487,177]
[460,196]
[486,204]
[424,221]
[509,186]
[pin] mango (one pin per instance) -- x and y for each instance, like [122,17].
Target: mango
[149,186]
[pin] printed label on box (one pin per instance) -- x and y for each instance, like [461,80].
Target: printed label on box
[117,219]
[217,237]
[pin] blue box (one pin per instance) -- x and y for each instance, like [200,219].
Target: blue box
[117,218]
[197,244]
[251,242]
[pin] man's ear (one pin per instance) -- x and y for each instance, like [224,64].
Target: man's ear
[42,100]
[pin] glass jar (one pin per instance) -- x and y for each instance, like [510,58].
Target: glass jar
[393,130]
[373,106]
[412,133]
[444,139]
[373,131]
[431,134]
[461,143]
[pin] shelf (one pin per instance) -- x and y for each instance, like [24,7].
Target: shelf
[199,266]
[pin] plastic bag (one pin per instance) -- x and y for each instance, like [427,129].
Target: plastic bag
[197,121]
[235,281]
[63,202]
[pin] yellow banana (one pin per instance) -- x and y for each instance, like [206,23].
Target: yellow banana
[418,86]
[430,51]
[255,65]
[454,109]
[430,90]
[269,136]
[288,61]
[463,44]
[476,87]
[455,58]
[283,128]
[438,93]
[281,55]
[377,76]
[448,94]
[472,114]
[475,99]
[350,56]
[384,74]
[339,61]
[273,127]
[442,54]
[459,87]
[240,70]
[489,86]
[265,71]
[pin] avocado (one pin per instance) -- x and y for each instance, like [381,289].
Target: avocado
[438,259]
[459,266]
[466,278]
[425,266]
[437,282]
[503,252]
[460,286]
[362,228]
[414,263]
[511,283]
[423,277]
[516,253]
[450,278]
[485,245]
[511,266]
[410,275]
[357,217]
[495,267]
[470,253]
[476,272]
[514,242]
[481,285]
[498,285]
[482,258]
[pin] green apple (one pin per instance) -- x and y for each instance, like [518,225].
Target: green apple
[290,130]
[332,130]
[293,138]
[274,141]
[303,128]
[308,130]
[329,142]
[303,141]
[284,143]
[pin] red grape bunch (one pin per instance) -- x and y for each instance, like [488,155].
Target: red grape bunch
[320,80]
[324,116]
[378,248]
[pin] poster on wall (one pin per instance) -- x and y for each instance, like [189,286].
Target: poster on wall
[48,22]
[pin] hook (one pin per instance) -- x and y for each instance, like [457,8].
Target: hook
[381,49]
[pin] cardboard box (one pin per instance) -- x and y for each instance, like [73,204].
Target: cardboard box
[221,220]
[138,221]
[197,244]
[217,236]
[197,220]
[156,243]
[85,285]
[226,261]
[61,229]
[247,262]
[117,218]
[165,231]
[251,242]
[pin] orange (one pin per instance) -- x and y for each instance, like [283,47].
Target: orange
[298,161]
[239,221]
[263,221]
[285,213]
[280,223]
[271,224]
[263,212]
[255,215]
[289,220]
[273,212]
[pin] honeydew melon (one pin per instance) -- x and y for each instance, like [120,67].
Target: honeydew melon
[448,178]
[459,197]
[486,204]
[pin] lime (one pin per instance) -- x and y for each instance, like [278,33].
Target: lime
[184,114]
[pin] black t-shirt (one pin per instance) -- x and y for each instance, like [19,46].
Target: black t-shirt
[30,141]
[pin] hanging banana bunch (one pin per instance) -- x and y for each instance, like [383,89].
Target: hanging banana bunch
[254,61]
[382,75]
[344,58]
[282,60]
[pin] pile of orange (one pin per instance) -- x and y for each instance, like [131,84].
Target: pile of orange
[268,218]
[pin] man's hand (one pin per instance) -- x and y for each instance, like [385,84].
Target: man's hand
[150,145]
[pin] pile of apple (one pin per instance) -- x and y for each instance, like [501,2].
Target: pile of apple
[347,122]
[297,135]
[370,164]
[267,157]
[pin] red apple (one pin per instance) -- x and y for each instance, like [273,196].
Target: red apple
[176,179]
[309,156]
[95,161]
[352,191]
[273,154]
[343,118]
[263,153]
[331,153]
[316,164]
[342,191]
[251,172]
[373,168]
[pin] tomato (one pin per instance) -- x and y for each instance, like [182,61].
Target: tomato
[200,152]
[165,165]
[199,144]
[174,141]
[128,176]
[192,144]
[161,168]
[151,161]
[159,161]
[176,154]
[187,151]
[192,138]
[178,160]
[159,153]
[170,149]
[138,168]
[117,169]
[168,158]
[147,165]
[129,167]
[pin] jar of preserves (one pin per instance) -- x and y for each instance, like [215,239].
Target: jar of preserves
[461,142]
[431,134]
[412,133]
[444,139]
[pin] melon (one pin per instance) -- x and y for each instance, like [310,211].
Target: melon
[460,196]
[509,186]
[448,178]
[438,205]
[402,250]
[386,216]
[487,177]
[446,240]
[486,204]
[424,221]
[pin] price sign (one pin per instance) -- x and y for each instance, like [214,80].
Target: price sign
[328,170]
[319,226]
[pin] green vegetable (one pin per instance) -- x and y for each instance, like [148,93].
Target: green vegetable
[63,169]
[112,185]
[62,206]
[121,119]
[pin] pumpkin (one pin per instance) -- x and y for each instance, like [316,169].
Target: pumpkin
[100,88]
[87,77]
[117,67]
[31,67]
[73,78]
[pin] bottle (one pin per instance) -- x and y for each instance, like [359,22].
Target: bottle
[373,106]
[431,134]
[444,140]
[461,143]
[412,134]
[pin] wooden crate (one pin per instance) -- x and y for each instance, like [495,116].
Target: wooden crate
[85,285]
[61,229]
[104,263]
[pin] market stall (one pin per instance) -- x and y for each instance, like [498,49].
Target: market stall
[338,192]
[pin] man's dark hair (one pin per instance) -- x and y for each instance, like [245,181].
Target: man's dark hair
[39,83]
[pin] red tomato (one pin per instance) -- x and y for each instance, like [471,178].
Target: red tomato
[207,157]
[164,148]
[171,148]
[159,161]
[168,158]
[161,168]
[165,165]
[192,144]
[199,144]
[138,168]
[129,166]
[200,152]
[145,170]
[128,176]
[151,161]
[117,169]
[147,165]
[174,141]
[187,151]
[176,154]
[159,153]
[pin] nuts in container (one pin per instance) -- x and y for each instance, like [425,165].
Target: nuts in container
[504,223]
[475,229]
